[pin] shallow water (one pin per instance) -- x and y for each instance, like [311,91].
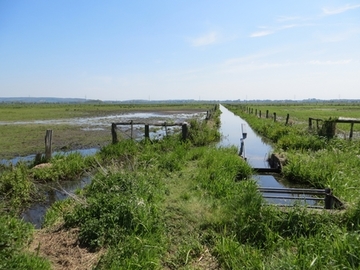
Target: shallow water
[256,151]
[53,192]
[105,121]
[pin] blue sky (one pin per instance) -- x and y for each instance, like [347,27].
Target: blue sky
[180,49]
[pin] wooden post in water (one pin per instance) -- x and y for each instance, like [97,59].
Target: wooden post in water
[147,133]
[166,131]
[132,128]
[274,116]
[113,133]
[328,199]
[351,130]
[287,119]
[48,144]
[185,131]
[267,113]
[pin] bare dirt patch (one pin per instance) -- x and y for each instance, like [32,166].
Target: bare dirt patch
[62,249]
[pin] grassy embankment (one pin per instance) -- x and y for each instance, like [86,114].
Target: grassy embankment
[176,205]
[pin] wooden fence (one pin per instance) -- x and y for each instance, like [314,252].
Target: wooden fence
[327,128]
[184,129]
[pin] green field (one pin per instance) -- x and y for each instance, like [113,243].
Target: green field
[300,113]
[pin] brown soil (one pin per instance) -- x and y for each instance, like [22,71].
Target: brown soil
[61,248]
[206,261]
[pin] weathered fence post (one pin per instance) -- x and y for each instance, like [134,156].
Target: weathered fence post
[147,133]
[287,119]
[351,130]
[267,113]
[113,133]
[274,116]
[132,128]
[166,131]
[185,131]
[310,123]
[260,113]
[48,144]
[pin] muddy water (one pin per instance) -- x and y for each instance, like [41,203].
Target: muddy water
[256,151]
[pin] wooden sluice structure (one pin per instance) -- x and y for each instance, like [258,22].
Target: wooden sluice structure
[320,198]
[304,195]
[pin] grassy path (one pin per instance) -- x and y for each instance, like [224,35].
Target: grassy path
[185,211]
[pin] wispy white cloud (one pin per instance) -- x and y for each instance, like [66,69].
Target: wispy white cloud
[262,33]
[330,62]
[274,30]
[258,61]
[250,58]
[205,40]
[333,11]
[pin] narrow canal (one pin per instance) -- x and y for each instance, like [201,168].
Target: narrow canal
[256,151]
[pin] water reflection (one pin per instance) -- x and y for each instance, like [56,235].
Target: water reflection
[31,158]
[256,150]
[53,192]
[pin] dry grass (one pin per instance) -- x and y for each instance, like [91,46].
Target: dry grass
[61,248]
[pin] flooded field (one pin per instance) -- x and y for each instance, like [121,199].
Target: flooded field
[55,191]
[23,139]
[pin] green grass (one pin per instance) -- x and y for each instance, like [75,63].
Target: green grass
[14,236]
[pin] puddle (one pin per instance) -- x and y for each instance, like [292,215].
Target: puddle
[53,192]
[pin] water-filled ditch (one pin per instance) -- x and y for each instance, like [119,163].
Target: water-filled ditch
[256,150]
